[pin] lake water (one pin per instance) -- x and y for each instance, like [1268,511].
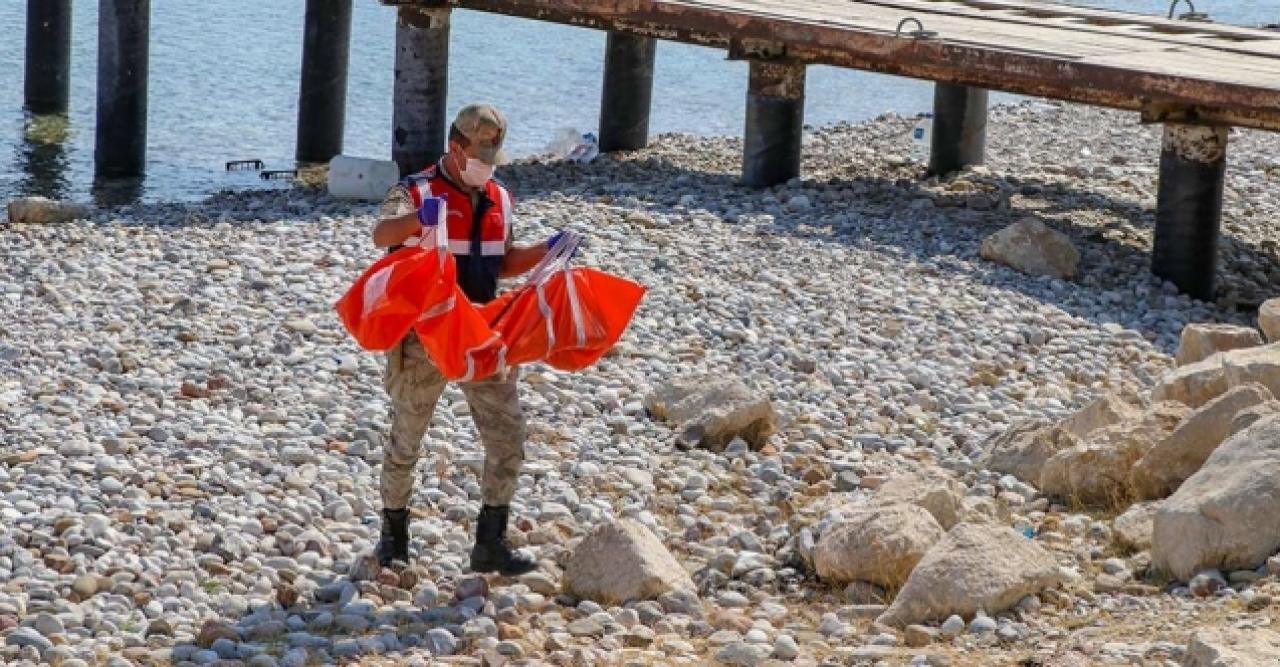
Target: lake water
[224,86]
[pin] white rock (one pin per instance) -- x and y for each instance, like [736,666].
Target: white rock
[1096,472]
[1104,411]
[1227,515]
[1269,320]
[621,561]
[1199,341]
[1224,647]
[1193,384]
[938,493]
[879,544]
[1179,455]
[1254,364]
[714,410]
[1032,247]
[975,567]
[1023,448]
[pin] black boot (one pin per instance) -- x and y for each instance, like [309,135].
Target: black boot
[394,543]
[492,553]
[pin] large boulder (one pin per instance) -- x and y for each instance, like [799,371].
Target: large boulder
[976,567]
[1228,647]
[1269,320]
[938,493]
[1200,341]
[1180,455]
[41,210]
[1246,417]
[1031,247]
[1194,384]
[1096,472]
[1024,447]
[1198,383]
[1255,364]
[1227,515]
[1102,412]
[712,411]
[1132,529]
[622,561]
[876,544]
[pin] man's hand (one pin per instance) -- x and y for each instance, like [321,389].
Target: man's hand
[432,211]
[396,230]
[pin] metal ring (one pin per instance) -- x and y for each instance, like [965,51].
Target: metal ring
[1192,15]
[920,33]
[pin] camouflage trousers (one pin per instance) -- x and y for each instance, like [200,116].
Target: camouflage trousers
[414,385]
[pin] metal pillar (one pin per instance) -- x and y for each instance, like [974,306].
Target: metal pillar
[775,123]
[1193,167]
[421,87]
[120,147]
[959,127]
[322,95]
[47,82]
[628,92]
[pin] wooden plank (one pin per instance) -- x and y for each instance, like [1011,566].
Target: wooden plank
[997,26]
[1019,58]
[1056,9]
[1253,41]
[1022,37]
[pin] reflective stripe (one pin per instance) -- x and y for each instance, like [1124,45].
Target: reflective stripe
[440,308]
[374,289]
[507,213]
[546,315]
[470,355]
[575,306]
[487,248]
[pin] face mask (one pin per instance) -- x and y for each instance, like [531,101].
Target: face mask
[476,173]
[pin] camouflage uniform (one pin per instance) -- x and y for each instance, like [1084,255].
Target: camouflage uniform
[415,384]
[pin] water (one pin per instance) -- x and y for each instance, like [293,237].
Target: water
[224,86]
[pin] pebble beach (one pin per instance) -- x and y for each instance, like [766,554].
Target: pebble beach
[190,441]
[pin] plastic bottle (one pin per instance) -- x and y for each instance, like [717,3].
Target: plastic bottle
[587,150]
[573,147]
[922,138]
[563,143]
[361,178]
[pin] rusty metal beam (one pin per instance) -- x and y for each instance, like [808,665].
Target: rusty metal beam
[815,42]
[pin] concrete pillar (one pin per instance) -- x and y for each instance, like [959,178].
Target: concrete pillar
[775,122]
[959,127]
[419,118]
[47,81]
[1193,167]
[628,92]
[322,94]
[120,147]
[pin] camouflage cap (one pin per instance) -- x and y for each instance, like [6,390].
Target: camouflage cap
[476,122]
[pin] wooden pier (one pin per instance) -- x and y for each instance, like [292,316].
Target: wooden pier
[1196,77]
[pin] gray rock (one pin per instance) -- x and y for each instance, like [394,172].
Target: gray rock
[441,642]
[785,647]
[742,653]
[28,637]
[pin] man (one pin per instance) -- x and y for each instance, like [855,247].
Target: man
[480,238]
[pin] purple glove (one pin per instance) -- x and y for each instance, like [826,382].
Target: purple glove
[432,211]
[555,238]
